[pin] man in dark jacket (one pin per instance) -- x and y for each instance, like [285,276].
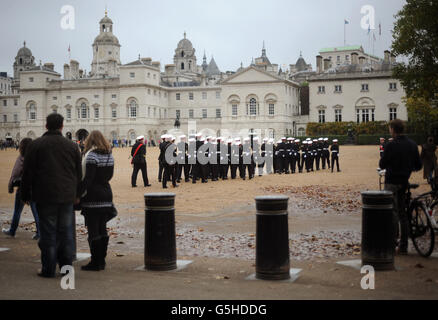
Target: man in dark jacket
[400,158]
[52,172]
[138,154]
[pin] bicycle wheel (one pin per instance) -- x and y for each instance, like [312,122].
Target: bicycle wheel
[422,233]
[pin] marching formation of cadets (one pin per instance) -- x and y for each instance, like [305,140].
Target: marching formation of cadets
[288,155]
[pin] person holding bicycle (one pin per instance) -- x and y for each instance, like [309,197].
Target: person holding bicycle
[400,158]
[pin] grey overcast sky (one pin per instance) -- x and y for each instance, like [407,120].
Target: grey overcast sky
[230,30]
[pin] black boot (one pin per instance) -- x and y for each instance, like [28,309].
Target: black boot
[93,265]
[103,249]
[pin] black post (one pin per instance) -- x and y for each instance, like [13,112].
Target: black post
[272,238]
[160,240]
[378,241]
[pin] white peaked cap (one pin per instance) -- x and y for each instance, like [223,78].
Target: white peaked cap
[290,138]
[265,139]
[192,140]
[198,134]
[246,139]
[202,139]
[209,137]
[314,140]
[219,138]
[283,138]
[320,139]
[255,139]
[271,140]
[297,140]
[336,140]
[305,142]
[279,141]
[230,141]
[182,136]
[172,138]
[325,139]
[140,137]
[310,141]
[236,139]
[163,136]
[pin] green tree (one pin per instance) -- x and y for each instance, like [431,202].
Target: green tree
[416,37]
[422,117]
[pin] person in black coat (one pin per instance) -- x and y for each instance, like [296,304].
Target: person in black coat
[52,172]
[97,197]
[138,154]
[169,166]
[334,149]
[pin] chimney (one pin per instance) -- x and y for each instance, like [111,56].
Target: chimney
[393,58]
[361,60]
[146,61]
[49,66]
[319,64]
[386,56]
[66,72]
[74,69]
[156,64]
[326,64]
[354,56]
[169,69]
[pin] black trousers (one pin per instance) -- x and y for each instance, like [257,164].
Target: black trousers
[223,171]
[160,171]
[180,169]
[317,160]
[96,224]
[144,173]
[335,158]
[234,170]
[169,174]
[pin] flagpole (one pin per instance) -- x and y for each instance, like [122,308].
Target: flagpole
[345,28]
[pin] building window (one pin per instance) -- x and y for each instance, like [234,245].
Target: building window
[68,97]
[204,95]
[182,65]
[178,96]
[321,116]
[252,107]
[96,96]
[83,111]
[190,95]
[204,113]
[392,113]
[149,91]
[338,115]
[55,98]
[155,92]
[338,59]
[133,109]
[5,118]
[365,115]
[218,95]
[271,109]
[178,113]
[32,112]
[234,110]
[347,57]
[218,113]
[132,74]
[393,86]
[364,87]
[321,89]
[149,74]
[15,117]
[15,102]
[5,103]
[96,113]
[338,88]
[113,96]
[31,79]
[191,115]
[68,114]
[155,76]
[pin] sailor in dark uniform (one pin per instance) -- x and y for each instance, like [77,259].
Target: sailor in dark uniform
[334,149]
[325,154]
[227,166]
[213,156]
[169,166]
[235,158]
[160,164]
[289,154]
[186,166]
[138,154]
[295,155]
[261,164]
[247,155]
[197,170]
[318,152]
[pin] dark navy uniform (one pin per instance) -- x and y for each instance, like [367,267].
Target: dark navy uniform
[334,149]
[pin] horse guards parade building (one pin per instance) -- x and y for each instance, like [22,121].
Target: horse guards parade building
[139,98]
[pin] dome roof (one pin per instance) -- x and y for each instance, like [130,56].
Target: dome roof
[301,64]
[185,44]
[106,20]
[24,51]
[106,38]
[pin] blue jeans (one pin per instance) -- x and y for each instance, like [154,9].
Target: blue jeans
[18,208]
[56,236]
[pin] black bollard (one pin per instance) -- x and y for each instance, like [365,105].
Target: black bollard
[272,238]
[160,241]
[378,242]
